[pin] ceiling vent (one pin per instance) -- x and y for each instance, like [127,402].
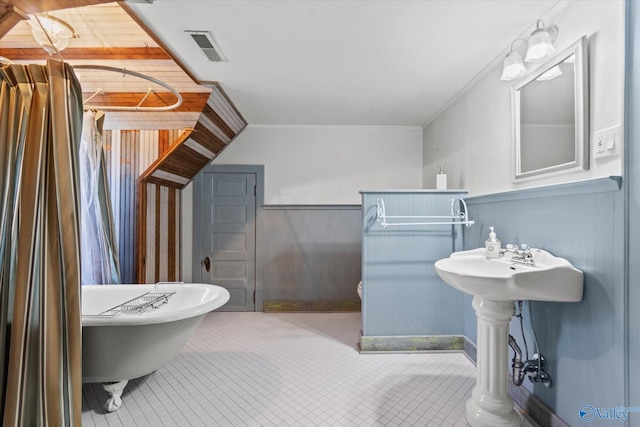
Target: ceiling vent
[204,40]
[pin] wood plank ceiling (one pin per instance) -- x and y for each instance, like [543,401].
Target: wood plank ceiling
[31,6]
[217,125]
[13,11]
[109,36]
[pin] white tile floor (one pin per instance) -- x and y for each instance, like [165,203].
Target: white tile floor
[297,369]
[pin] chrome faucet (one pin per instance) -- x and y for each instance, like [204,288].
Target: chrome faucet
[521,255]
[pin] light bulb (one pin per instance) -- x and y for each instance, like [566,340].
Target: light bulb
[513,66]
[540,46]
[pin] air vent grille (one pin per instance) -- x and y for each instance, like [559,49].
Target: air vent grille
[204,40]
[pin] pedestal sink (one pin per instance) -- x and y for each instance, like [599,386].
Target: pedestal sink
[495,284]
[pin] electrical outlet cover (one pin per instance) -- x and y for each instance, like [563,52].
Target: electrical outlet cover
[606,142]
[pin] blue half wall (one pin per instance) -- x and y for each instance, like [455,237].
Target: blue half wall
[403,294]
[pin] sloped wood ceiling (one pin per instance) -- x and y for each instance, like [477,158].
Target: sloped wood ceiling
[109,36]
[13,11]
[33,6]
[218,124]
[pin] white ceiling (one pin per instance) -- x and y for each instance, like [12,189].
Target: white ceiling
[335,62]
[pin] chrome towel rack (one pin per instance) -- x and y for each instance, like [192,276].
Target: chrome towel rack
[458,216]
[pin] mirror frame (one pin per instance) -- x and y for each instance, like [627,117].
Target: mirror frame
[581,105]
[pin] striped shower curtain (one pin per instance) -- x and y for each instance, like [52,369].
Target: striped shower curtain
[40,313]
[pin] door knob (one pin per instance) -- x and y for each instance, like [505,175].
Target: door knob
[207,264]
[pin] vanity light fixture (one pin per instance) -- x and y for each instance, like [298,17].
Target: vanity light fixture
[541,42]
[51,33]
[513,66]
[539,47]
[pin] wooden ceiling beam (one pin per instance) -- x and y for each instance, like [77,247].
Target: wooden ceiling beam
[192,102]
[102,53]
[30,6]
[9,17]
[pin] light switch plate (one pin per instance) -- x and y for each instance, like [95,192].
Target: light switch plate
[606,142]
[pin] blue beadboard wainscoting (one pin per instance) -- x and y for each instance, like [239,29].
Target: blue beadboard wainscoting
[405,305]
[583,342]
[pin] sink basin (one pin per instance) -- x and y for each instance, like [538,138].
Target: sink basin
[500,279]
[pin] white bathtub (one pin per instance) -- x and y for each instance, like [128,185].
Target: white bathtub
[118,348]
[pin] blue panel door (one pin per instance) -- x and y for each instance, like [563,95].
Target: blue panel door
[228,236]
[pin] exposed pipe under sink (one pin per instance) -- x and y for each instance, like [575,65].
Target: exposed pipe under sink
[536,366]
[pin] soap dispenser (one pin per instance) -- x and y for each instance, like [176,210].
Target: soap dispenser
[492,245]
[441,179]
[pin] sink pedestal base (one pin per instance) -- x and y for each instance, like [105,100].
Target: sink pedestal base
[490,404]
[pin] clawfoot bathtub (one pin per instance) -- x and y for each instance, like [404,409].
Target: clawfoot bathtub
[119,344]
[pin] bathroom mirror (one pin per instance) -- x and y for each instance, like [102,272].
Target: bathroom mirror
[550,116]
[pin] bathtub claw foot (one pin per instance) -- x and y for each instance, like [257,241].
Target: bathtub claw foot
[115,391]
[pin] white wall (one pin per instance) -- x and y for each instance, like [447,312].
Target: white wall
[320,165]
[329,164]
[471,139]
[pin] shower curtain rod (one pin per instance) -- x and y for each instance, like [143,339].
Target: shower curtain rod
[124,72]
